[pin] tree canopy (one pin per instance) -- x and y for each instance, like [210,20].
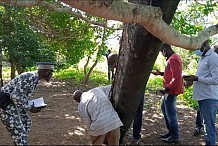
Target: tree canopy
[148,16]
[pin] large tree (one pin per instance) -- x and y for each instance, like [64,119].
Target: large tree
[138,53]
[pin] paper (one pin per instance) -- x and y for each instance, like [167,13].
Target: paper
[165,96]
[39,102]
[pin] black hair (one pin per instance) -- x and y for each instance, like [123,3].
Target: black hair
[166,47]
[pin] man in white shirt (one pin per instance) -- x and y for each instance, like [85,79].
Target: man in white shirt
[205,90]
[98,114]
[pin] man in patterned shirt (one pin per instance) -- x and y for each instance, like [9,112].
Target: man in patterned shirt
[99,115]
[14,98]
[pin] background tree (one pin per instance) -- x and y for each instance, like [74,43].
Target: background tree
[71,38]
[21,45]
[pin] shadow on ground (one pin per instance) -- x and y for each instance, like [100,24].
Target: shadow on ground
[60,124]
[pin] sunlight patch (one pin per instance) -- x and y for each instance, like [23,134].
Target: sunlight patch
[78,131]
[69,117]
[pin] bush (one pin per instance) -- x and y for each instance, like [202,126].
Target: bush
[187,98]
[97,78]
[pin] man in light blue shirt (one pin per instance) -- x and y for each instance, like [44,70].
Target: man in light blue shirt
[205,90]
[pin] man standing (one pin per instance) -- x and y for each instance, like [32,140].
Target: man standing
[111,64]
[205,90]
[137,122]
[99,116]
[14,98]
[173,85]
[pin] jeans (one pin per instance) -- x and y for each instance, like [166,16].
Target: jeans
[137,123]
[168,107]
[208,109]
[199,119]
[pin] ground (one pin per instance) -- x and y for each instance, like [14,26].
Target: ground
[60,124]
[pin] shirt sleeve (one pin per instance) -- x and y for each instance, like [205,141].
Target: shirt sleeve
[83,111]
[107,89]
[211,79]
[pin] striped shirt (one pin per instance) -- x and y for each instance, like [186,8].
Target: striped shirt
[97,111]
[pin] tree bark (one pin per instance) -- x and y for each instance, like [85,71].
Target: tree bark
[138,53]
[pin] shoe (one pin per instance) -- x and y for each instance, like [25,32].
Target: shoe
[197,131]
[135,142]
[165,135]
[170,140]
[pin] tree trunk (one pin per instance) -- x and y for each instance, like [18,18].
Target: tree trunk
[1,66]
[138,53]
[13,70]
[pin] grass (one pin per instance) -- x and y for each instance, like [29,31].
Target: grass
[97,77]
[100,78]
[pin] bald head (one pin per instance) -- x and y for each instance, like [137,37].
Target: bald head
[77,94]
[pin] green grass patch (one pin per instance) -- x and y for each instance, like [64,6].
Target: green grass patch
[154,83]
[187,98]
[96,77]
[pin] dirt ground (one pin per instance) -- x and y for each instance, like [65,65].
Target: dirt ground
[60,124]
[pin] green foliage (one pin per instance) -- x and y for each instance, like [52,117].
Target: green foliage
[191,17]
[154,83]
[187,97]
[21,45]
[97,78]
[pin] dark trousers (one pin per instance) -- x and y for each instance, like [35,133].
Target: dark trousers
[137,123]
[199,119]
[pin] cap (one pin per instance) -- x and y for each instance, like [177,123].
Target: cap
[45,65]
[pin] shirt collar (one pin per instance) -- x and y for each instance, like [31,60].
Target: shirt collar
[208,53]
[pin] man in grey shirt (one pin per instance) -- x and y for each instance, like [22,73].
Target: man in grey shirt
[205,90]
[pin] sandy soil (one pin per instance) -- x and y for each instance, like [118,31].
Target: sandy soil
[59,123]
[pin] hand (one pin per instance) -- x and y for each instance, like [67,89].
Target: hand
[164,91]
[157,72]
[188,84]
[35,109]
[191,78]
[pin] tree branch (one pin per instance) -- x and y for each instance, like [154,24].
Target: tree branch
[55,8]
[119,10]
[148,16]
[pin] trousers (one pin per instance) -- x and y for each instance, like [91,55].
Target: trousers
[17,122]
[137,122]
[112,137]
[168,107]
[208,109]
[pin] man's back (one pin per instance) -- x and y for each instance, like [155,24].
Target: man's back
[98,112]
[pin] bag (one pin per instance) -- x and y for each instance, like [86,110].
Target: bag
[4,100]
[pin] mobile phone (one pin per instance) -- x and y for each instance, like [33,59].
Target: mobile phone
[186,76]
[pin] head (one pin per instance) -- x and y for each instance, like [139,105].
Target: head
[166,50]
[107,53]
[205,46]
[45,70]
[77,95]
[215,48]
